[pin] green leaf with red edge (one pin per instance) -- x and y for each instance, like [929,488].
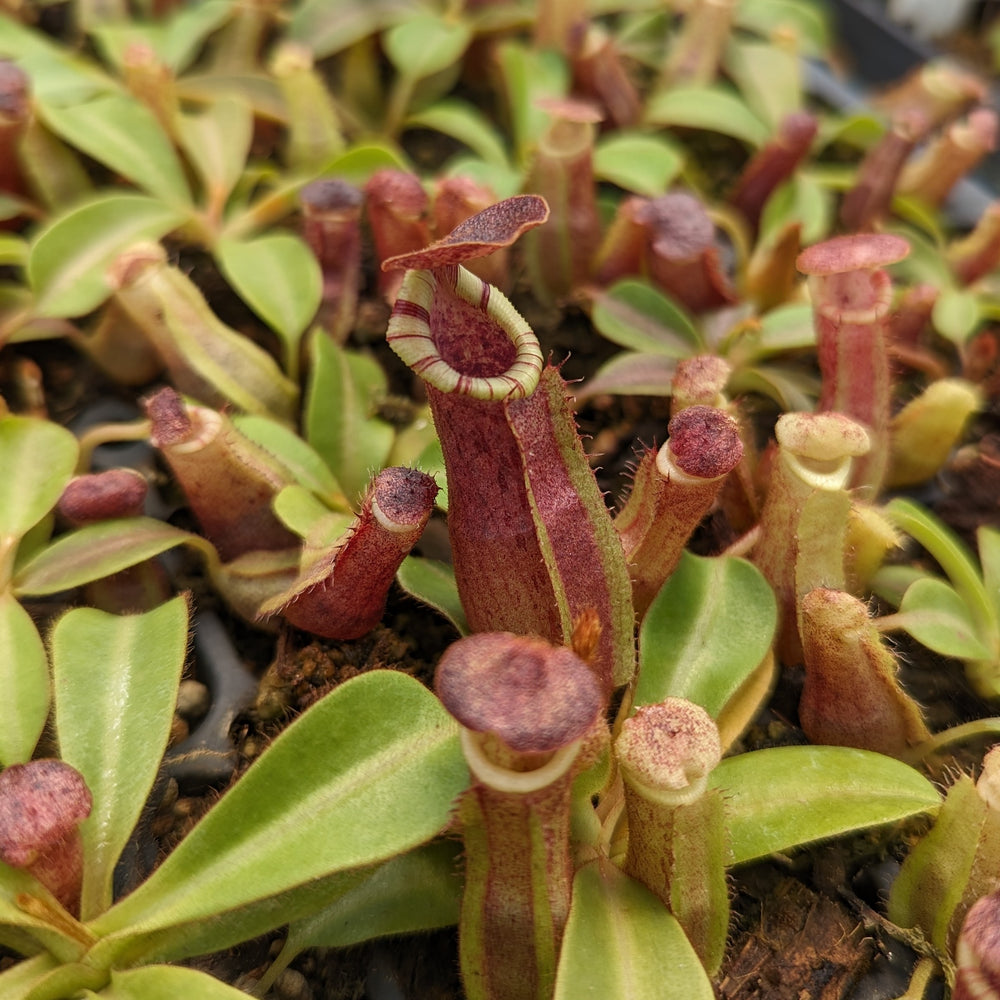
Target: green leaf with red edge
[634,314]
[96,551]
[24,680]
[630,373]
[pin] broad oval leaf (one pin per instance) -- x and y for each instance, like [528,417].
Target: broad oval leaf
[98,550]
[634,314]
[783,797]
[37,458]
[933,613]
[369,772]
[956,314]
[630,373]
[711,108]
[706,632]
[122,133]
[637,162]
[424,44]
[279,277]
[24,680]
[467,124]
[621,941]
[69,259]
[100,664]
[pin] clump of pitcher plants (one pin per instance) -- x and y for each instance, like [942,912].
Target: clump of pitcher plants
[356,417]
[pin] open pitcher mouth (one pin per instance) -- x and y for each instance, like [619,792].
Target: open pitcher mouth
[506,363]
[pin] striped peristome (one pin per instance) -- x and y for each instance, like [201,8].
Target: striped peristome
[409,334]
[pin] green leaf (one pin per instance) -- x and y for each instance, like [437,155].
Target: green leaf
[123,134]
[304,513]
[37,458]
[17,982]
[634,314]
[988,540]
[631,373]
[939,619]
[56,73]
[367,773]
[792,389]
[115,732]
[466,123]
[954,558]
[956,314]
[13,249]
[621,941]
[329,26]
[706,632]
[302,461]
[176,41]
[69,259]
[806,18]
[216,141]
[503,181]
[96,551]
[769,76]
[784,797]
[528,76]
[891,582]
[645,164]
[433,583]
[166,982]
[424,44]
[24,680]
[802,199]
[339,421]
[711,108]
[279,277]
[417,891]
[787,328]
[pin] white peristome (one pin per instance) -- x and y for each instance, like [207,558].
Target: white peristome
[503,779]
